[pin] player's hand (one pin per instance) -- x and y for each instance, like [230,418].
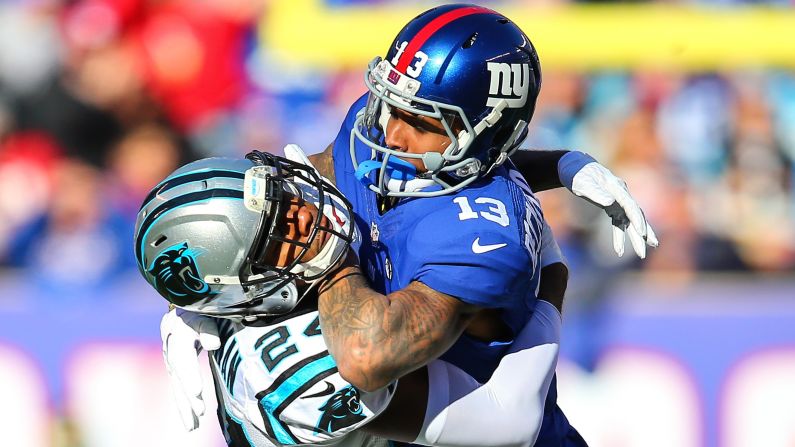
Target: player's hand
[184,335]
[597,184]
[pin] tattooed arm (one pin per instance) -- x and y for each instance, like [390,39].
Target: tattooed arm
[376,339]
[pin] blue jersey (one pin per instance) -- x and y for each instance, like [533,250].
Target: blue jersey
[480,245]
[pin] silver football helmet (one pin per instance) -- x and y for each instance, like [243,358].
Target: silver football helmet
[204,235]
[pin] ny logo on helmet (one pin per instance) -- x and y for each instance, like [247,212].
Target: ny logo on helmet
[510,81]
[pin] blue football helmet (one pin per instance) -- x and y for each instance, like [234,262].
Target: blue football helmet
[465,65]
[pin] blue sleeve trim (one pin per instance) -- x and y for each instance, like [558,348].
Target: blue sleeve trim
[570,164]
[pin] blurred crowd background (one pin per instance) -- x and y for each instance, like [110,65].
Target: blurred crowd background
[100,99]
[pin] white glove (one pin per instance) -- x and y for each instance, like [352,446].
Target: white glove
[595,183]
[184,335]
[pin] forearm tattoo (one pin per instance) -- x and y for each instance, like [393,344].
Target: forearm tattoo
[377,339]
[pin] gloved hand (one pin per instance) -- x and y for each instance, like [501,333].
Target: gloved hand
[184,335]
[588,179]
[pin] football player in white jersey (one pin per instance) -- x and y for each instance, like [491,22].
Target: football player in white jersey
[247,240]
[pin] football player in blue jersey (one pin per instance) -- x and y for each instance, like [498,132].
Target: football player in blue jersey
[450,231]
[448,265]
[247,240]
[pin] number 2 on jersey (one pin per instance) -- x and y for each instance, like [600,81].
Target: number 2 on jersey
[282,336]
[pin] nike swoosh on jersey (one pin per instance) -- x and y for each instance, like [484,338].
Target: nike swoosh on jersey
[477,248]
[329,390]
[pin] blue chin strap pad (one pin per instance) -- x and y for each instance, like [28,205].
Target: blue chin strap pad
[396,169]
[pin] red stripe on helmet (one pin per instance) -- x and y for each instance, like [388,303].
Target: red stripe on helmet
[428,30]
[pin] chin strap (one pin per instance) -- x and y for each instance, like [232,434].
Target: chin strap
[399,175]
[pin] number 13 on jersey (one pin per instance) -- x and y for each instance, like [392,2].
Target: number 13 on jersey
[494,210]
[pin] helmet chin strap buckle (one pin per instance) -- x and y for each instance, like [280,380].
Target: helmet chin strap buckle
[468,169]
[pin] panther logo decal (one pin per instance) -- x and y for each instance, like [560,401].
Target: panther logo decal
[343,409]
[177,277]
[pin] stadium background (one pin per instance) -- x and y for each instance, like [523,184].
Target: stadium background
[692,102]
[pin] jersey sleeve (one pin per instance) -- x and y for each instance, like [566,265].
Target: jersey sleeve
[481,261]
[343,165]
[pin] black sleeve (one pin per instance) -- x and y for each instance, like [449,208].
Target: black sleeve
[539,168]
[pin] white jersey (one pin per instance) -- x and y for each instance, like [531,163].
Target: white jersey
[277,384]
